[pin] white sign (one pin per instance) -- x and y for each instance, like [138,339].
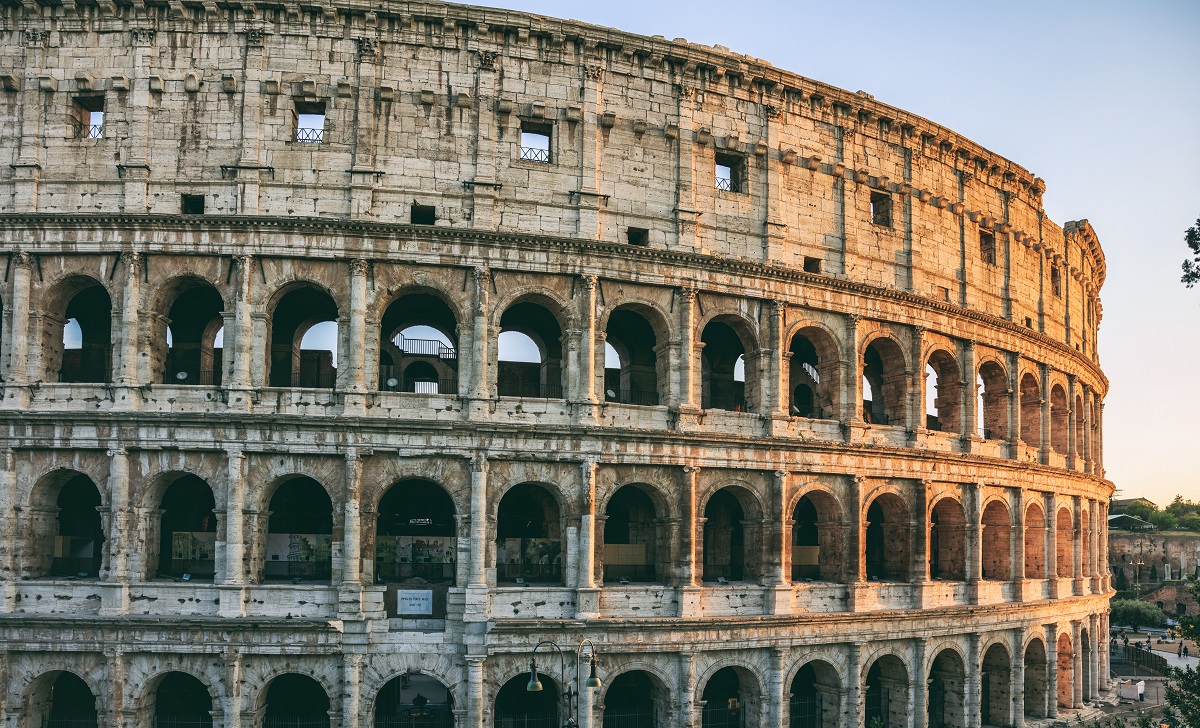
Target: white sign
[414,601]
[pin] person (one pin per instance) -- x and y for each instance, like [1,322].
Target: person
[1180,652]
[1185,652]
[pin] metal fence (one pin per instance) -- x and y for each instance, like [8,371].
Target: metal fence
[534,154]
[1136,654]
[435,573]
[633,396]
[529,572]
[202,377]
[425,347]
[424,717]
[310,136]
[183,721]
[71,721]
[805,712]
[307,721]
[629,718]
[81,375]
[725,402]
[89,131]
[69,566]
[527,720]
[715,716]
[302,570]
[419,386]
[536,391]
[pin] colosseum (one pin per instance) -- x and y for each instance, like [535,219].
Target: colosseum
[405,364]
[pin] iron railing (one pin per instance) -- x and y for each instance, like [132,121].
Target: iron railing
[729,572]
[545,573]
[616,717]
[316,379]
[425,347]
[725,402]
[192,378]
[288,721]
[202,568]
[879,705]
[89,131]
[716,716]
[534,154]
[424,717]
[302,570]
[535,391]
[69,566]
[419,385]
[725,184]
[436,573]
[804,711]
[71,721]
[629,572]
[527,720]
[309,136]
[197,720]
[81,375]
[633,396]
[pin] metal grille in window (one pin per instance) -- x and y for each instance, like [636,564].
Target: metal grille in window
[310,136]
[805,711]
[533,154]
[89,131]
[724,183]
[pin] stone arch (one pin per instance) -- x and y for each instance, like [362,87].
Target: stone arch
[728,343]
[1036,679]
[814,696]
[884,379]
[948,539]
[415,533]
[299,513]
[448,669]
[87,302]
[732,535]
[180,697]
[293,310]
[541,319]
[184,339]
[996,541]
[888,538]
[1059,419]
[529,534]
[414,699]
[884,683]
[814,372]
[435,319]
[288,694]
[63,532]
[730,693]
[515,704]
[947,681]
[61,695]
[1064,537]
[1066,671]
[1031,410]
[1085,664]
[636,545]
[995,701]
[182,528]
[636,697]
[817,541]
[637,333]
[944,410]
[1035,542]
[994,397]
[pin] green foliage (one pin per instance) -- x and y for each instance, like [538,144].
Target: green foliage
[1164,521]
[1191,268]
[1136,614]
[1120,581]
[1181,513]
[1140,510]
[1183,690]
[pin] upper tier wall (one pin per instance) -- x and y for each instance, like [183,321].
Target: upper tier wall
[424,104]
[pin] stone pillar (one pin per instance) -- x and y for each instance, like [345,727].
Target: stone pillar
[250,122]
[689,600]
[127,338]
[589,202]
[480,357]
[1017,541]
[231,698]
[920,563]
[684,360]
[1016,677]
[113,698]
[352,702]
[1046,449]
[917,382]
[1051,508]
[778,552]
[136,137]
[775,387]
[1105,671]
[1052,670]
[483,191]
[974,686]
[852,378]
[17,372]
[350,606]
[855,540]
[242,334]
[117,545]
[852,711]
[1093,545]
[1077,545]
[970,394]
[1102,563]
[776,690]
[587,596]
[585,392]
[366,111]
[1097,641]
[1076,663]
[973,493]
[356,364]
[28,169]
[1013,363]
[9,533]
[687,690]
[687,217]
[234,571]
[1073,458]
[920,702]
[475,701]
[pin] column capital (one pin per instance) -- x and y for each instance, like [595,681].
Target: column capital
[358,267]
[22,259]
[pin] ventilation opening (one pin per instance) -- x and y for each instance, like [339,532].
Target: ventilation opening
[191,204]
[812,265]
[638,236]
[309,117]
[423,214]
[1056,281]
[535,141]
[87,117]
[881,209]
[1028,322]
[731,172]
[987,247]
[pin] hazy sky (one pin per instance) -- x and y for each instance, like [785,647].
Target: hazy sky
[1102,99]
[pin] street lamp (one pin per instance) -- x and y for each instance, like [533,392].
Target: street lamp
[571,692]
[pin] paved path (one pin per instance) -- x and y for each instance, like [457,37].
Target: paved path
[1175,660]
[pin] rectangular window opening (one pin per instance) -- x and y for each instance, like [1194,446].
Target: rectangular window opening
[535,141]
[987,247]
[638,236]
[1056,281]
[423,214]
[1028,322]
[191,204]
[309,117]
[881,209]
[87,117]
[731,172]
[812,265]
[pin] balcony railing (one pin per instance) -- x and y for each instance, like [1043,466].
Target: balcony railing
[543,573]
[70,721]
[82,375]
[534,154]
[534,391]
[725,184]
[204,377]
[68,566]
[618,717]
[527,720]
[632,396]
[183,721]
[89,131]
[398,571]
[195,568]
[302,570]
[419,386]
[310,136]
[717,716]
[426,347]
[427,716]
[307,721]
[725,402]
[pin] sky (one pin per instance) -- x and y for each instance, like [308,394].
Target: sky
[1101,99]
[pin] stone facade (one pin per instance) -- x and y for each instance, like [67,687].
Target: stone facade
[843,461]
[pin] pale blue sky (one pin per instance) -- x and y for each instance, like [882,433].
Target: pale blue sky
[1102,99]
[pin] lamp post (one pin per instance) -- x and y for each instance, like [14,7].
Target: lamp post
[570,692]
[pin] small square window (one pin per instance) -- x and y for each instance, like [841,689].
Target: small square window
[309,121]
[423,214]
[1056,281]
[1028,322]
[812,265]
[638,236]
[945,294]
[731,172]
[87,117]
[535,141]
[881,209]
[191,204]
[987,247]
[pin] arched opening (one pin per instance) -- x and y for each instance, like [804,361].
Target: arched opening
[816,538]
[1036,679]
[296,701]
[885,697]
[299,532]
[1065,544]
[187,530]
[947,691]
[60,700]
[1035,542]
[815,697]
[948,541]
[79,538]
[723,371]
[1081,449]
[182,701]
[528,536]
[630,359]
[517,707]
[418,346]
[304,339]
[636,699]
[888,542]
[80,340]
[993,401]
[883,383]
[413,700]
[1085,663]
[1059,420]
[943,389]
[1031,411]
[730,699]
[729,539]
[630,537]
[194,336]
[415,534]
[1066,672]
[997,542]
[995,700]
[813,375]
[529,353]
